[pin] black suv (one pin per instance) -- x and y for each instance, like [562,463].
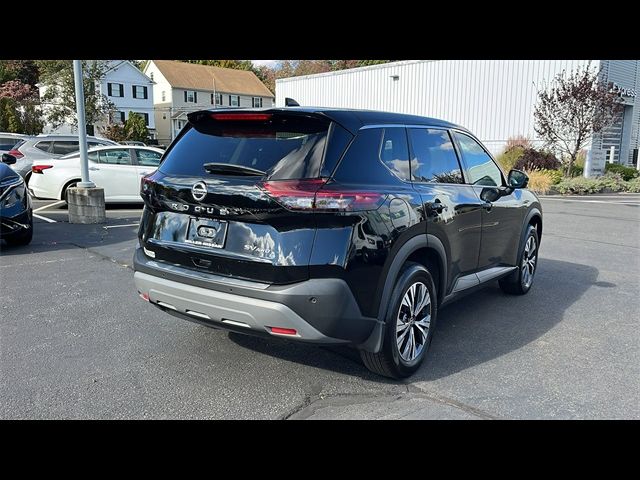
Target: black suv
[331,226]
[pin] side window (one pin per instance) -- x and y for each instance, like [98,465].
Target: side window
[93,156]
[44,146]
[64,147]
[482,169]
[339,138]
[394,152]
[434,158]
[7,143]
[148,158]
[115,157]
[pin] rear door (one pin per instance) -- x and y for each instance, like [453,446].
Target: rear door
[452,208]
[114,170]
[146,160]
[234,195]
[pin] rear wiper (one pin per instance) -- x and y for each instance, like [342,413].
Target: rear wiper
[230,169]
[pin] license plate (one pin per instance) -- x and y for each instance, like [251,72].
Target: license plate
[206,232]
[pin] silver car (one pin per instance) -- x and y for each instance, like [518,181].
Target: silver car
[9,140]
[48,146]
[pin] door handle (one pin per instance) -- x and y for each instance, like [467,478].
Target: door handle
[94,168]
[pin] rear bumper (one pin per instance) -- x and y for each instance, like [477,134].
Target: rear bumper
[320,310]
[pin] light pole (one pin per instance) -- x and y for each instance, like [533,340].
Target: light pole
[82,126]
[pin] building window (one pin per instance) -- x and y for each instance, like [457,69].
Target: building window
[139,91]
[164,96]
[151,76]
[217,98]
[145,116]
[115,89]
[120,116]
[190,96]
[234,100]
[257,102]
[164,116]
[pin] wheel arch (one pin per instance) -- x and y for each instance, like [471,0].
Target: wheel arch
[66,185]
[427,250]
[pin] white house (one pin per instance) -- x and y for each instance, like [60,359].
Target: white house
[180,88]
[128,89]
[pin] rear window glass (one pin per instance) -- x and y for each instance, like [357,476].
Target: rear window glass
[7,143]
[284,146]
[61,147]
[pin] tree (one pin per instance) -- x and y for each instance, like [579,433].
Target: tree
[59,95]
[136,128]
[571,110]
[25,71]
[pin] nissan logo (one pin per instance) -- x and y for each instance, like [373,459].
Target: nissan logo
[199,191]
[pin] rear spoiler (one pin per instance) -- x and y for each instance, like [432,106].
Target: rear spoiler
[290,102]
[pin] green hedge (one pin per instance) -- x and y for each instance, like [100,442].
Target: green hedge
[611,182]
[627,173]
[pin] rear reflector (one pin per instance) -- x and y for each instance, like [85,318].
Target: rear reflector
[256,117]
[315,195]
[144,296]
[40,168]
[15,153]
[283,331]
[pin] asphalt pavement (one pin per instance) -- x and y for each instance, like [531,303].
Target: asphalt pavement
[76,341]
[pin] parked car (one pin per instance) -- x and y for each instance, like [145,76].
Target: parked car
[257,222]
[16,221]
[117,169]
[8,141]
[48,146]
[133,142]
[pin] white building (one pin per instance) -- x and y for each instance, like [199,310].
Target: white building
[180,88]
[128,89]
[492,98]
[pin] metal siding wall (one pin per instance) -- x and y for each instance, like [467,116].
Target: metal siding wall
[493,98]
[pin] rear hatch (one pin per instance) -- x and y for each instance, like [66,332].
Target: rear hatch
[231,195]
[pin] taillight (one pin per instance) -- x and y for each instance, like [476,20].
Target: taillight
[256,117]
[40,168]
[16,153]
[315,195]
[145,184]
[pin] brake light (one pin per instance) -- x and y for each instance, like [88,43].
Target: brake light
[145,184]
[283,331]
[316,195]
[16,153]
[40,168]
[256,117]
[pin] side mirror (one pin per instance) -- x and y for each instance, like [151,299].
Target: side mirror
[518,179]
[8,159]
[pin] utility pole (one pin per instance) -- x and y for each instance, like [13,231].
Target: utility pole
[85,200]
[82,126]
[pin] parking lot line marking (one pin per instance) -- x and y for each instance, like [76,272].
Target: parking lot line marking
[61,202]
[118,226]
[44,218]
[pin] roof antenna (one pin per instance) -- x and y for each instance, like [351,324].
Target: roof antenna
[290,102]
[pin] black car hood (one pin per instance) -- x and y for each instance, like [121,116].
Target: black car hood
[6,173]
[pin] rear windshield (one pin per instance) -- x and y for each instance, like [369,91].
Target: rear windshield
[283,146]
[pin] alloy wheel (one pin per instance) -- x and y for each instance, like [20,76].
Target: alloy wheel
[529,258]
[413,321]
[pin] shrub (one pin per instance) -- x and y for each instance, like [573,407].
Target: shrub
[627,172]
[509,157]
[533,159]
[613,181]
[581,158]
[579,186]
[556,175]
[576,171]
[633,185]
[518,141]
[540,181]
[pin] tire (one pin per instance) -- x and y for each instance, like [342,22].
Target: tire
[27,177]
[64,194]
[396,359]
[24,238]
[521,280]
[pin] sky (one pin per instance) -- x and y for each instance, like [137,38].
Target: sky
[268,63]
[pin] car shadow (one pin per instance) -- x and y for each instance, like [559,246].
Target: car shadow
[476,329]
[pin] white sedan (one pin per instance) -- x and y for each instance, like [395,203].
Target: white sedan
[117,169]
